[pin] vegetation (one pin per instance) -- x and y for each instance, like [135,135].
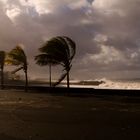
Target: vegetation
[18,58]
[58,50]
[2,62]
[44,59]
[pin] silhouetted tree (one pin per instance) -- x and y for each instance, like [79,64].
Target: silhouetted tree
[58,50]
[18,58]
[2,62]
[46,59]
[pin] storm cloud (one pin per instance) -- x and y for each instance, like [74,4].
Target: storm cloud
[106,32]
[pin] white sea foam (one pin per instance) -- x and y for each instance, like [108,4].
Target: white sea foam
[113,84]
[105,84]
[121,84]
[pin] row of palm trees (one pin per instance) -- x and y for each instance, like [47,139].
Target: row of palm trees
[59,50]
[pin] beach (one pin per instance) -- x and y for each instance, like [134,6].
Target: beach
[34,116]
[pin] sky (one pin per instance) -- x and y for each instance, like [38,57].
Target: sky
[106,33]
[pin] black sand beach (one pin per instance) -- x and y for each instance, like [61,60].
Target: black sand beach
[34,116]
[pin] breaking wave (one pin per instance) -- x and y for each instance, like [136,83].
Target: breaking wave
[120,84]
[108,84]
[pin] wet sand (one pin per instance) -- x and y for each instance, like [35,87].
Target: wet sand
[34,116]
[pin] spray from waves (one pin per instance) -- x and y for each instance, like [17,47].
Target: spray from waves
[106,84]
[120,84]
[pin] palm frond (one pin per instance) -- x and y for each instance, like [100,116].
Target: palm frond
[45,59]
[62,77]
[54,46]
[72,46]
[16,70]
[18,55]
[64,45]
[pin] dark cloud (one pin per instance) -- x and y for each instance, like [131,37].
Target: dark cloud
[90,1]
[107,34]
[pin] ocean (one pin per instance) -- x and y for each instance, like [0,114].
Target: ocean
[113,84]
[121,84]
[101,84]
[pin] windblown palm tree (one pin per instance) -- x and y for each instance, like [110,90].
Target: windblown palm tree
[18,58]
[58,50]
[2,62]
[46,59]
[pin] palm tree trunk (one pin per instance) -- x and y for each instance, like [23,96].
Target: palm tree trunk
[26,81]
[50,71]
[2,79]
[68,85]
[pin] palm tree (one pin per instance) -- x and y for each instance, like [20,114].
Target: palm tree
[18,58]
[46,59]
[2,62]
[58,50]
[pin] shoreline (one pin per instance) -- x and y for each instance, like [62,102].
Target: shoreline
[77,91]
